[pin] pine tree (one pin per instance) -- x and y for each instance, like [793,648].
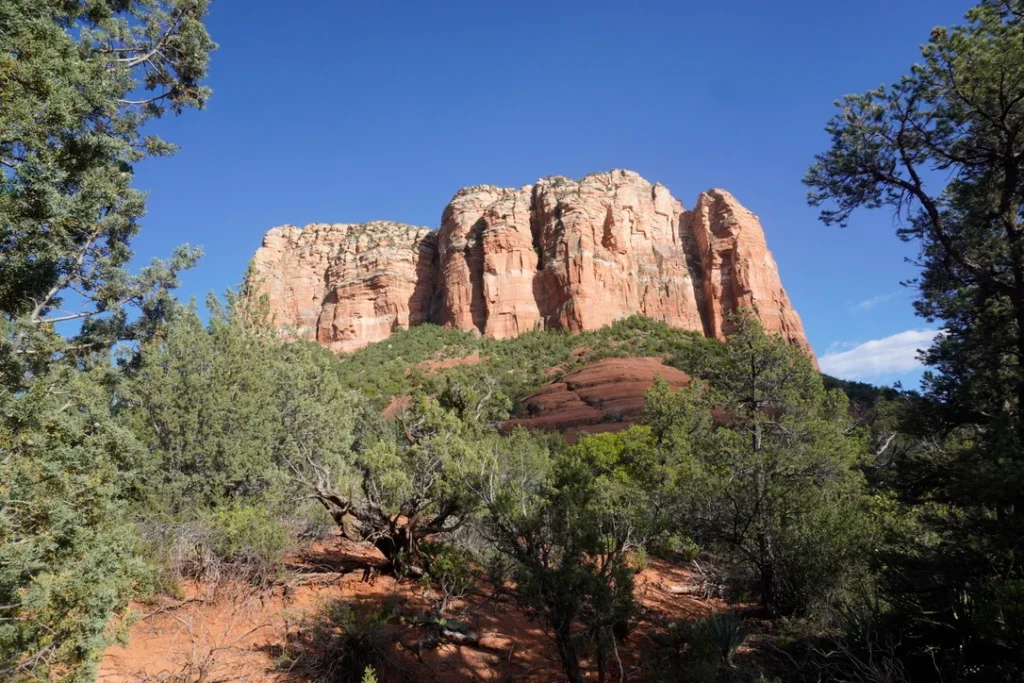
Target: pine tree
[944,148]
[765,462]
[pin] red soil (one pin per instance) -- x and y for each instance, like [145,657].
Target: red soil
[430,367]
[396,406]
[230,633]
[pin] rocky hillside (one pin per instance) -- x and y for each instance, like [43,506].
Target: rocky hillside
[605,396]
[559,254]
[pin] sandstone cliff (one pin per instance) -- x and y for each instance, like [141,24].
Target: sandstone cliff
[559,254]
[346,285]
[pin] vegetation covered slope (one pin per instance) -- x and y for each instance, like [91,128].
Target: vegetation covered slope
[512,368]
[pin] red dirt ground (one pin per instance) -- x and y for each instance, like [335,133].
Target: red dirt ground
[233,634]
[430,367]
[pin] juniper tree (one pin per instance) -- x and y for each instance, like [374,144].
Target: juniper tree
[570,518]
[66,550]
[400,484]
[78,82]
[229,411]
[201,398]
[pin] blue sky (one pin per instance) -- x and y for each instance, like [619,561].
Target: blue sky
[351,111]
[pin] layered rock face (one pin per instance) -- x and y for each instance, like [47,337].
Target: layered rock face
[347,285]
[559,254]
[606,396]
[740,271]
[564,254]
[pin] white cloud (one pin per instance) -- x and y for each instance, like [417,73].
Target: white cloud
[874,301]
[889,356]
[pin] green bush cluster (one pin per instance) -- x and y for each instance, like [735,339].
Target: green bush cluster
[568,525]
[237,542]
[703,650]
[249,536]
[512,368]
[342,643]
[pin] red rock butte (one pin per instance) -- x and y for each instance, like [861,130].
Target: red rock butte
[559,254]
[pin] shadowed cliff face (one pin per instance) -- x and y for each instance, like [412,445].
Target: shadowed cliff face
[559,254]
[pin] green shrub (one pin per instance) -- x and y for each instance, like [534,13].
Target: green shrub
[673,545]
[240,541]
[821,556]
[163,556]
[775,490]
[701,650]
[249,538]
[311,522]
[450,571]
[513,368]
[341,643]
[68,561]
[571,523]
[716,637]
[1000,622]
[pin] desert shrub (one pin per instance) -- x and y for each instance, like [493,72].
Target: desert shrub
[224,408]
[68,559]
[250,539]
[340,643]
[403,482]
[765,464]
[238,542]
[449,571]
[496,567]
[199,399]
[310,522]
[673,545]
[863,648]
[570,521]
[701,650]
[716,637]
[169,551]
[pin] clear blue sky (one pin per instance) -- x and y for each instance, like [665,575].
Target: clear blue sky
[351,111]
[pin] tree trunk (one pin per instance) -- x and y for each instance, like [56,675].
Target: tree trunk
[769,601]
[397,544]
[400,551]
[766,571]
[567,651]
